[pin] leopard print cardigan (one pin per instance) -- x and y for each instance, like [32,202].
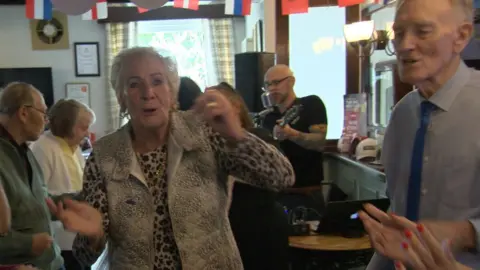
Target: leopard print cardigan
[199,162]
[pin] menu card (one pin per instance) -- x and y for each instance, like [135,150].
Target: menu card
[355,120]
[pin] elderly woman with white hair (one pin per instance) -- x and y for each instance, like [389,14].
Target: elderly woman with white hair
[156,191]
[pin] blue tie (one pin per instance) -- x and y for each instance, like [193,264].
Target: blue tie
[415,181]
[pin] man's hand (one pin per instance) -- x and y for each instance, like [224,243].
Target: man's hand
[40,243]
[461,233]
[284,133]
[314,140]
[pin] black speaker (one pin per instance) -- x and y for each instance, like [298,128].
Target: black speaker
[250,69]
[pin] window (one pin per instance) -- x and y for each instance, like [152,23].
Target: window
[381,98]
[381,101]
[186,41]
[318,60]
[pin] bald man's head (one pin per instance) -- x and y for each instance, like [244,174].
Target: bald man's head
[280,70]
[279,82]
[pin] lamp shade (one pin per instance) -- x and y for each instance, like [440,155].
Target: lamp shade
[359,31]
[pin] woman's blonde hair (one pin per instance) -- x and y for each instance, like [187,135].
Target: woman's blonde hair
[63,116]
[237,100]
[122,59]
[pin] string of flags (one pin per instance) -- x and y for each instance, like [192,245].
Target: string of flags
[98,9]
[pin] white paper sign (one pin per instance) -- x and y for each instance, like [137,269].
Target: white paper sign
[79,92]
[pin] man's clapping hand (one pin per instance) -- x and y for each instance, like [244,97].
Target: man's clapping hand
[40,243]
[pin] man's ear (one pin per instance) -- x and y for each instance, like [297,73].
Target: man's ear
[22,114]
[464,35]
[292,81]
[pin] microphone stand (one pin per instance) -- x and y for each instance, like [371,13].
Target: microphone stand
[258,117]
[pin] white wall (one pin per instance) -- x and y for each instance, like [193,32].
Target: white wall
[238,33]
[16,51]
[256,14]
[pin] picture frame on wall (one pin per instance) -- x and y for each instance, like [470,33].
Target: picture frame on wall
[87,59]
[79,92]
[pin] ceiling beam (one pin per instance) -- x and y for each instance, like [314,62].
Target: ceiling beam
[130,14]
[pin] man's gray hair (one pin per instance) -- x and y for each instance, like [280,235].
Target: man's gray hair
[63,116]
[15,95]
[465,8]
[117,80]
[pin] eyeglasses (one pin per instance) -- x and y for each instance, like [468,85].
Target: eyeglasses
[45,116]
[266,84]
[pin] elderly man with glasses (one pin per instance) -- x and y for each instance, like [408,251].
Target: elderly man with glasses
[302,140]
[29,239]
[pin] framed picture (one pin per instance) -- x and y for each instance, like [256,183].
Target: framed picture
[87,59]
[79,92]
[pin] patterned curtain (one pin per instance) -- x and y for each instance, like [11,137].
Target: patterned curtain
[223,50]
[117,40]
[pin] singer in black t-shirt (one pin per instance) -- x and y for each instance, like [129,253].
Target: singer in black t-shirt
[302,149]
[303,139]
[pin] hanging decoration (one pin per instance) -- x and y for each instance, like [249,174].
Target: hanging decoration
[141,10]
[346,3]
[187,4]
[238,7]
[73,7]
[377,2]
[149,4]
[38,9]
[99,11]
[294,6]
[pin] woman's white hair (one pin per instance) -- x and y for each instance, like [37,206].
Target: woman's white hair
[122,59]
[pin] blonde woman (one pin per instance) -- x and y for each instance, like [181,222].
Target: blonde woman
[59,154]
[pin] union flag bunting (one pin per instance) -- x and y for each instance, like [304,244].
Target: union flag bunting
[346,3]
[294,6]
[187,4]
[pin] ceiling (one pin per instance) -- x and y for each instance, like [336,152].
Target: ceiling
[22,2]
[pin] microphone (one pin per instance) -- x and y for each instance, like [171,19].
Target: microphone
[265,112]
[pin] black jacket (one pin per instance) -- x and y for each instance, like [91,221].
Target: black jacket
[259,223]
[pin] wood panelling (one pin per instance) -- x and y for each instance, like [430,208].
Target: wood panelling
[130,14]
[352,14]
[282,36]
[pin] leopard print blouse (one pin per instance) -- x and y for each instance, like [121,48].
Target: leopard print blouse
[154,168]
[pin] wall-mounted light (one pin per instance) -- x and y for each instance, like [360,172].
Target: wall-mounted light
[389,50]
[359,31]
[361,35]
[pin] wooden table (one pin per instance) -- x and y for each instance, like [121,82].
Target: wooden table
[329,243]
[329,252]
